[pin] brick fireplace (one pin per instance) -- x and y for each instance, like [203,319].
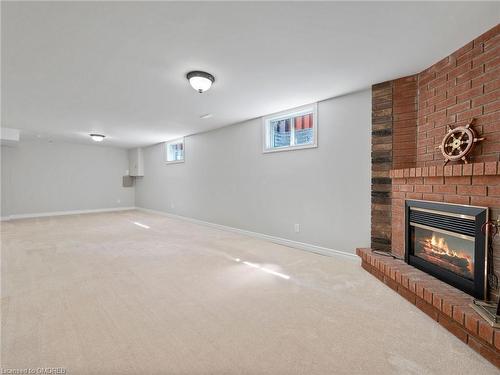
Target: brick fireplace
[447,241]
[410,116]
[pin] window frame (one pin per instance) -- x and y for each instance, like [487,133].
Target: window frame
[173,142]
[291,113]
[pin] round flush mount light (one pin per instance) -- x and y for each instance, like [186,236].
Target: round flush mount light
[200,81]
[97,137]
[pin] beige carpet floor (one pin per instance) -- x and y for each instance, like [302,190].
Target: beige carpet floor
[138,293]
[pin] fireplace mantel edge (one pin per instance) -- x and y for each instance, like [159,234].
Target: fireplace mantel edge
[458,170]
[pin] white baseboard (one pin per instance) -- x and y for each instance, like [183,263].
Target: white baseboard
[62,213]
[278,240]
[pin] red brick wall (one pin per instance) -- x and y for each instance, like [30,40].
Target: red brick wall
[404,126]
[461,86]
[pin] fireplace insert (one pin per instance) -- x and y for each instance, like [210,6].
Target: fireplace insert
[447,241]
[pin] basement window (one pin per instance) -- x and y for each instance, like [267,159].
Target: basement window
[291,130]
[174,151]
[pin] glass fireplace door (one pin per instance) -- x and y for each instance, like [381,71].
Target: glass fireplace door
[448,250]
[448,242]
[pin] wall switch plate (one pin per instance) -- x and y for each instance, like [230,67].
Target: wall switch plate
[296,228]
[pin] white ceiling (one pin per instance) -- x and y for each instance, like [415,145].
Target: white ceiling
[69,69]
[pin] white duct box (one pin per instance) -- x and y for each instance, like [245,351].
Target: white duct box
[9,136]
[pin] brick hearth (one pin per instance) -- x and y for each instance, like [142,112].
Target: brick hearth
[443,303]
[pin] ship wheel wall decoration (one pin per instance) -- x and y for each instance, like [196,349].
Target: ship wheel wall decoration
[459,142]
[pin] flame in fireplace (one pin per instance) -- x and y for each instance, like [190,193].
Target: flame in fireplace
[441,243]
[438,245]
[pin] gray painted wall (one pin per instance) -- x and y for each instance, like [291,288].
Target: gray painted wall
[39,177]
[226,179]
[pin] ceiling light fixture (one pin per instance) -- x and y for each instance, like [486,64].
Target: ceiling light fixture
[97,137]
[200,81]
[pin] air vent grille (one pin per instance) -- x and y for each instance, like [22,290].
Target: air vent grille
[450,223]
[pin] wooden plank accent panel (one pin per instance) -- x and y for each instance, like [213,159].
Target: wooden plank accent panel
[381,166]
